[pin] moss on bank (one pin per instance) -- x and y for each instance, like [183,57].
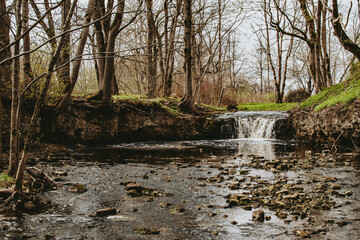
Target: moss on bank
[341,94]
[266,106]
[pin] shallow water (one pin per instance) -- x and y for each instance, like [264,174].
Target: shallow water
[176,168]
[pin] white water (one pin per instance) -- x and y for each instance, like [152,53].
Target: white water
[254,124]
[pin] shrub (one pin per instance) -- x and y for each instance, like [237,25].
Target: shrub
[297,95]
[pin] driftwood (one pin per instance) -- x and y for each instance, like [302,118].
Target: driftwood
[41,181]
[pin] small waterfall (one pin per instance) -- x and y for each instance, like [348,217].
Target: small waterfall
[252,124]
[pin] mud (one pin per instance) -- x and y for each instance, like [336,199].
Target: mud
[184,191]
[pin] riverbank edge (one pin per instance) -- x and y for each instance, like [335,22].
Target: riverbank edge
[337,125]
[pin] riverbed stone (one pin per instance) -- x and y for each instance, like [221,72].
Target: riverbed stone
[105,212]
[258,215]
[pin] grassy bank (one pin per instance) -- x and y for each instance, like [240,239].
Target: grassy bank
[341,94]
[266,106]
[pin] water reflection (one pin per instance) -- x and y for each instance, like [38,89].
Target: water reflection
[187,151]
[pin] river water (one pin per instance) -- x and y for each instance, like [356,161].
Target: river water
[194,178]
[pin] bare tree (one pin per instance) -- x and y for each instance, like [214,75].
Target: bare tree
[5,67]
[346,42]
[188,102]
[151,58]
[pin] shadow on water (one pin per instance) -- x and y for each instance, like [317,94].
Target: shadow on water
[162,153]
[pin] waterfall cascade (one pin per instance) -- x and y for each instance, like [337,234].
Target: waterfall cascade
[251,124]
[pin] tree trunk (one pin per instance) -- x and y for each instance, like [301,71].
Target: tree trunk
[79,52]
[188,102]
[5,74]
[326,59]
[340,33]
[170,52]
[64,72]
[28,74]
[109,70]
[14,127]
[151,65]
[310,24]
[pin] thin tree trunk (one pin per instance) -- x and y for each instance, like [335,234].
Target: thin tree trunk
[79,52]
[14,128]
[39,104]
[28,74]
[5,74]
[108,77]
[64,72]
[151,66]
[326,59]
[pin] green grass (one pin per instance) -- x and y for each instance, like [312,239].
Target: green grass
[131,97]
[266,106]
[5,180]
[341,94]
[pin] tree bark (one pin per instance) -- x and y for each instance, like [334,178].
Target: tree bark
[14,127]
[64,72]
[340,33]
[109,70]
[188,102]
[151,62]
[28,74]
[79,52]
[170,51]
[5,74]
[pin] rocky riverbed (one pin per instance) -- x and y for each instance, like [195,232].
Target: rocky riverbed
[233,189]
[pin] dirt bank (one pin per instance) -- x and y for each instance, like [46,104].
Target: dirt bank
[333,125]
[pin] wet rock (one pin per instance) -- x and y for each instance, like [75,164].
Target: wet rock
[258,215]
[215,233]
[176,210]
[342,223]
[267,218]
[212,214]
[349,193]
[303,233]
[48,237]
[105,212]
[234,185]
[233,222]
[29,206]
[201,184]
[281,215]
[165,205]
[146,231]
[247,207]
[59,173]
[135,190]
[77,188]
[149,199]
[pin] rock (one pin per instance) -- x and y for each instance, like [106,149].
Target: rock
[215,233]
[234,185]
[59,173]
[105,212]
[302,233]
[342,223]
[258,215]
[149,199]
[348,193]
[77,188]
[233,222]
[178,209]
[146,231]
[29,206]
[212,214]
[201,184]
[165,205]
[247,207]
[281,215]
[267,218]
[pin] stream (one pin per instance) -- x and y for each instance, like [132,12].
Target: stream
[189,185]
